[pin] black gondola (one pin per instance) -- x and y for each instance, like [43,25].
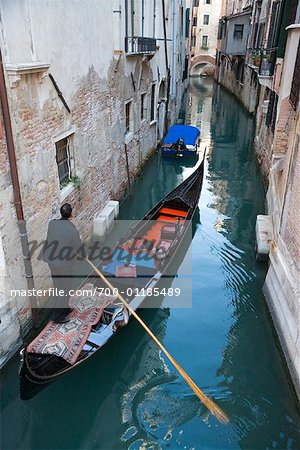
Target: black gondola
[171,219]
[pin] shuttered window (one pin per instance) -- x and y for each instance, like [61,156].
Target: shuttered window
[128,117]
[274,22]
[295,89]
[187,22]
[272,111]
[152,109]
[143,106]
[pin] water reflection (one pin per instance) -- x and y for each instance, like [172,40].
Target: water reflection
[253,370]
[129,396]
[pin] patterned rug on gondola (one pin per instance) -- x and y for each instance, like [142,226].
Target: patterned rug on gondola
[67,339]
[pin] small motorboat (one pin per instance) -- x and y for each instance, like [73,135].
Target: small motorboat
[181,140]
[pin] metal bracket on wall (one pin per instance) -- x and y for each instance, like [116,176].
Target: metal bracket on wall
[132,80]
[59,93]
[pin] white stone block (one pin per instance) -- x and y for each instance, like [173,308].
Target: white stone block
[104,221]
[278,162]
[108,212]
[264,236]
[99,226]
[116,206]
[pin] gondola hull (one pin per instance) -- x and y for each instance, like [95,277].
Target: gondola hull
[185,196]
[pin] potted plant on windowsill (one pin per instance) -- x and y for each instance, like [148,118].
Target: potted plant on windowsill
[75,181]
[256,58]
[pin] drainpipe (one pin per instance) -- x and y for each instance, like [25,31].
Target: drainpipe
[154,17]
[126,26]
[132,18]
[167,67]
[17,192]
[174,43]
[143,16]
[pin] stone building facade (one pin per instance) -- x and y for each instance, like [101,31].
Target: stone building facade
[86,82]
[283,205]
[205,15]
[233,43]
[264,74]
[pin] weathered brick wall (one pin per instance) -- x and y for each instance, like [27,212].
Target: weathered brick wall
[97,113]
[247,91]
[14,312]
[290,230]
[95,77]
[263,138]
[281,134]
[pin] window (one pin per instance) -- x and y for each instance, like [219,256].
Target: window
[239,75]
[187,22]
[206,19]
[204,41]
[274,24]
[220,29]
[152,111]
[208,2]
[295,88]
[193,41]
[128,117]
[238,31]
[63,161]
[143,106]
[194,21]
[272,111]
[260,38]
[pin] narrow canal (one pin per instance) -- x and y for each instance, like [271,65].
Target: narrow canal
[129,396]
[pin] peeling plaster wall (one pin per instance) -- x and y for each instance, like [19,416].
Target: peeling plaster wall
[83,44]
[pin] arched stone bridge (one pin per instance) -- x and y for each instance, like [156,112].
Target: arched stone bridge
[199,61]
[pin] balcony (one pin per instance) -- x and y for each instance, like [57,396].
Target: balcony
[139,45]
[263,60]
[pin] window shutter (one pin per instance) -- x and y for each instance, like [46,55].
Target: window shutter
[270,109]
[272,29]
[295,89]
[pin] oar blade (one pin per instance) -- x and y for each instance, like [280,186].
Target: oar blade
[210,404]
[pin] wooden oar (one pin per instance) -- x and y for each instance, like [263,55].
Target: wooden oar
[210,404]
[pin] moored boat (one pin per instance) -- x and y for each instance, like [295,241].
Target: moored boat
[181,140]
[146,254]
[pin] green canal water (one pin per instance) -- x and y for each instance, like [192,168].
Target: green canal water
[129,396]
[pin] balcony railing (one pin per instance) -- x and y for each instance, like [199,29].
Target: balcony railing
[139,45]
[264,60]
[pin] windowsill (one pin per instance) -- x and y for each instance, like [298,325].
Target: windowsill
[64,134]
[153,122]
[129,137]
[66,191]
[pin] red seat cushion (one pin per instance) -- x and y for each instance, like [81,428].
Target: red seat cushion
[173,212]
[168,218]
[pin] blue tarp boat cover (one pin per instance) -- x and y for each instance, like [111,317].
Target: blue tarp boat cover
[188,133]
